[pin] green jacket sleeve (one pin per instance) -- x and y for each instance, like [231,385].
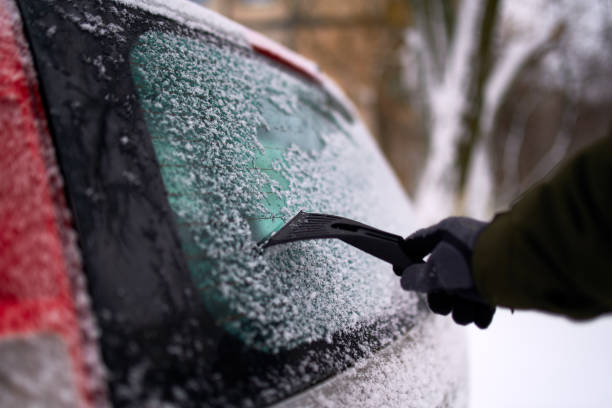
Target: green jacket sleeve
[553,250]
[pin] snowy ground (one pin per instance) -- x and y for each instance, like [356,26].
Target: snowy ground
[535,360]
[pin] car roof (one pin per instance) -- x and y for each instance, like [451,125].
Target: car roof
[201,18]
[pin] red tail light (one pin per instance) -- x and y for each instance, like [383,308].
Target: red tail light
[39,267]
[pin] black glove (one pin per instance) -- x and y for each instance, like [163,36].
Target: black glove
[446,277]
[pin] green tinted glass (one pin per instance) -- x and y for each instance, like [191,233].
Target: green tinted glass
[242,146]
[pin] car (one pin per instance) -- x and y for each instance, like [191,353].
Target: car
[148,148]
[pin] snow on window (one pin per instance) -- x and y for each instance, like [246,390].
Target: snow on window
[242,146]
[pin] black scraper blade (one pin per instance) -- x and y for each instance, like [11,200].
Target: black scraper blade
[381,244]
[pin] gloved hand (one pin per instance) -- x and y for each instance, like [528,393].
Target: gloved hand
[446,277]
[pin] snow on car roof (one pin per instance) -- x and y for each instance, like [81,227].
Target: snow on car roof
[193,16]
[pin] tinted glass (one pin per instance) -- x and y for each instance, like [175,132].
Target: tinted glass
[181,149]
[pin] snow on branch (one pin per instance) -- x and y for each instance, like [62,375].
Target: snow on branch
[462,92]
[514,59]
[447,100]
[479,191]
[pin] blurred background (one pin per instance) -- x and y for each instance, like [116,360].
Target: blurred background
[473,101]
[526,81]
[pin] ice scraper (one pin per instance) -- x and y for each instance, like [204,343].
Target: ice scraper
[381,244]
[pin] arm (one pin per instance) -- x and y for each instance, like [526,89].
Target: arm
[553,250]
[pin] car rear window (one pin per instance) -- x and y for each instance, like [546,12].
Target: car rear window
[181,150]
[242,146]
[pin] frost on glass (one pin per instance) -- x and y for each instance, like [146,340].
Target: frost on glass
[242,146]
